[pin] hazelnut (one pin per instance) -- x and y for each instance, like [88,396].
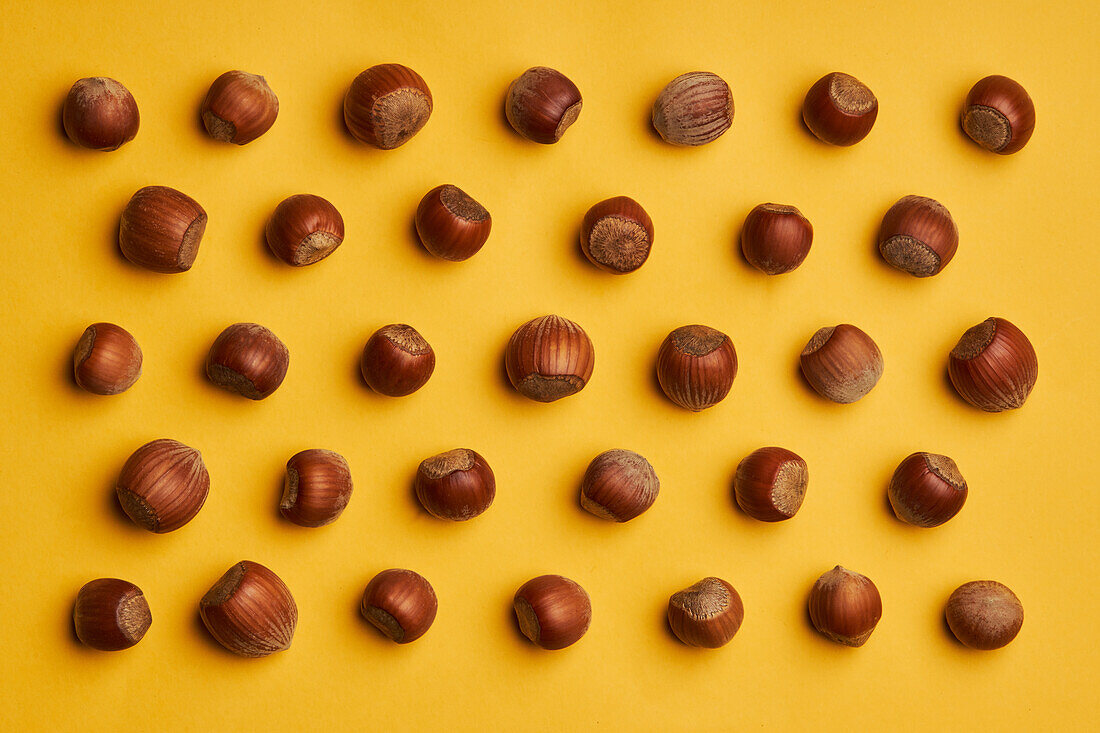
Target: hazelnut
[541,104]
[250,611]
[619,485]
[983,614]
[616,235]
[239,107]
[770,484]
[451,225]
[397,360]
[111,614]
[101,114]
[841,363]
[553,612]
[163,485]
[693,109]
[304,229]
[999,115]
[707,614]
[456,485]
[927,490]
[386,105]
[317,488]
[776,238]
[839,109]
[918,236]
[994,366]
[401,604]
[107,359]
[845,606]
[249,360]
[549,358]
[161,229]
[696,366]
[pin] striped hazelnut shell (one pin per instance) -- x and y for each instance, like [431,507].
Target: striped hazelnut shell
[696,366]
[304,229]
[845,606]
[451,224]
[541,104]
[400,603]
[617,235]
[249,360]
[161,229]
[918,236]
[100,114]
[770,484]
[163,485]
[386,105]
[927,489]
[110,614]
[553,611]
[457,485]
[999,115]
[549,358]
[842,363]
[994,366]
[317,487]
[776,238]
[250,611]
[619,485]
[706,614]
[107,359]
[239,107]
[693,109]
[397,360]
[839,109]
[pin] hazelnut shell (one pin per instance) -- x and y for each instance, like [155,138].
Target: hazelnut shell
[457,485]
[707,614]
[111,614]
[994,366]
[161,229]
[401,604]
[107,359]
[386,105]
[250,611]
[696,366]
[553,612]
[100,114]
[842,363]
[541,104]
[617,235]
[619,485]
[693,109]
[549,358]
[452,225]
[249,360]
[163,485]
[317,488]
[239,107]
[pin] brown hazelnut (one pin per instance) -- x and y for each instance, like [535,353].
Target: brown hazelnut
[549,358]
[839,109]
[841,363]
[456,485]
[401,604]
[927,489]
[317,488]
[107,359]
[619,485]
[707,614]
[918,236]
[770,484]
[693,109]
[845,606]
[397,360]
[111,614]
[696,366]
[776,238]
[994,366]
[999,115]
[163,485]
[161,229]
[541,104]
[553,612]
[239,107]
[451,225]
[616,235]
[386,105]
[304,229]
[249,360]
[250,611]
[101,114]
[983,614]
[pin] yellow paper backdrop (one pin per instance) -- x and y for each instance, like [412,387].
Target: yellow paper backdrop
[1028,252]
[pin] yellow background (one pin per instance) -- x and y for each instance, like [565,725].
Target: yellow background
[1028,252]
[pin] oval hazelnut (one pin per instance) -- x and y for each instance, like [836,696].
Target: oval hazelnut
[456,485]
[397,360]
[451,225]
[249,360]
[317,488]
[842,363]
[107,359]
[696,366]
[304,229]
[111,614]
[693,109]
[250,611]
[845,606]
[984,614]
[927,489]
[100,114]
[918,236]
[770,484]
[776,238]
[616,235]
[161,229]
[239,107]
[707,614]
[993,366]
[553,612]
[549,358]
[839,109]
[999,115]
[619,485]
[401,604]
[386,105]
[163,485]
[541,104]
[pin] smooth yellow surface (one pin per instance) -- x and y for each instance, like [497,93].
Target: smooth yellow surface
[1028,252]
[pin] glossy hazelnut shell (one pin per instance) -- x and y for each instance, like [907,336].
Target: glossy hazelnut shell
[927,489]
[452,225]
[163,485]
[541,104]
[397,360]
[249,360]
[994,366]
[161,229]
[239,107]
[617,235]
[696,366]
[401,604]
[707,614]
[984,614]
[317,488]
[107,359]
[250,611]
[776,238]
[839,109]
[770,484]
[457,485]
[304,229]
[999,115]
[549,358]
[842,363]
[111,614]
[918,236]
[693,109]
[100,114]
[619,485]
[553,612]
[845,606]
[386,105]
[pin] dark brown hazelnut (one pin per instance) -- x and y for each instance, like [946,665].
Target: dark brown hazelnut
[401,604]
[616,235]
[111,614]
[161,229]
[999,115]
[549,358]
[927,489]
[918,236]
[541,104]
[994,366]
[553,612]
[456,485]
[839,109]
[107,359]
[707,614]
[386,105]
[696,366]
[250,611]
[249,360]
[397,360]
[619,485]
[842,363]
[317,488]
[845,606]
[776,238]
[304,229]
[101,114]
[770,484]
[451,225]
[239,107]
[163,485]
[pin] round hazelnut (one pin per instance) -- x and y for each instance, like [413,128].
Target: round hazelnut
[386,105]
[549,358]
[776,238]
[100,114]
[249,360]
[304,229]
[985,615]
[918,236]
[451,225]
[616,235]
[707,614]
[317,488]
[401,604]
[239,107]
[770,484]
[839,109]
[541,104]
[250,611]
[619,485]
[696,366]
[993,366]
[841,363]
[553,612]
[693,109]
[111,614]
[845,606]
[163,485]
[927,489]
[456,485]
[107,359]
[161,229]
[397,360]
[999,115]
